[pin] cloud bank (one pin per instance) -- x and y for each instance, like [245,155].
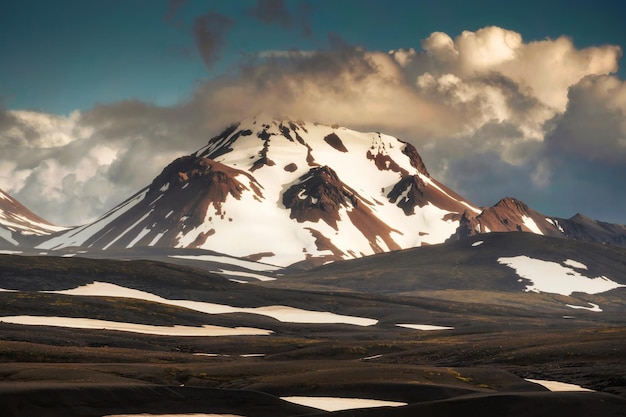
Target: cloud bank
[491,114]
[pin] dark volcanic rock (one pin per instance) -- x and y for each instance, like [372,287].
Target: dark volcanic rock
[318,196]
[411,187]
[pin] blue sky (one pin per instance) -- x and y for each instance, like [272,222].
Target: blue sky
[64,55]
[522,99]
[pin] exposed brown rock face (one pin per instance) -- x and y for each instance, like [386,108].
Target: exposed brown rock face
[290,167]
[214,179]
[284,130]
[263,160]
[385,163]
[334,141]
[323,243]
[318,196]
[254,257]
[415,158]
[220,144]
[468,226]
[201,239]
[413,189]
[508,215]
[185,191]
[373,228]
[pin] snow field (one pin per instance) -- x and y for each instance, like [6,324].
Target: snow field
[552,277]
[281,313]
[426,327]
[85,323]
[337,403]
[557,386]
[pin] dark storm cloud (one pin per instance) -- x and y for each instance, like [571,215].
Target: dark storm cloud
[585,150]
[209,33]
[6,120]
[594,123]
[272,12]
[518,99]
[275,12]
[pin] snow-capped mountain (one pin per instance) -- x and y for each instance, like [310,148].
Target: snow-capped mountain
[283,192]
[16,222]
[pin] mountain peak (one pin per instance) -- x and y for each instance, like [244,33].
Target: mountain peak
[581,218]
[511,202]
[320,192]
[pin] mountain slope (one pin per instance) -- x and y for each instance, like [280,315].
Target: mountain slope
[512,215]
[513,269]
[284,192]
[16,222]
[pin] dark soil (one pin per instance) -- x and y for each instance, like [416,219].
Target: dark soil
[499,338]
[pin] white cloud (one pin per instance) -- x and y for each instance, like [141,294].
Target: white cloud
[548,67]
[477,107]
[42,130]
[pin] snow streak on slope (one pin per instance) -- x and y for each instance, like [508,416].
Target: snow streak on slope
[78,236]
[176,330]
[285,192]
[15,218]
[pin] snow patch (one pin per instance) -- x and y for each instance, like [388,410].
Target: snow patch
[426,327]
[556,224]
[254,266]
[137,238]
[157,238]
[594,307]
[338,403]
[369,358]
[281,313]
[132,226]
[245,274]
[552,277]
[8,236]
[575,264]
[78,236]
[85,323]
[531,225]
[10,252]
[557,386]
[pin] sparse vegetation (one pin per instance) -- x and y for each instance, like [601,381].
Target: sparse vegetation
[501,334]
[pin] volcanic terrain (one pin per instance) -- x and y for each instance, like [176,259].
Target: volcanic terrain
[289,268]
